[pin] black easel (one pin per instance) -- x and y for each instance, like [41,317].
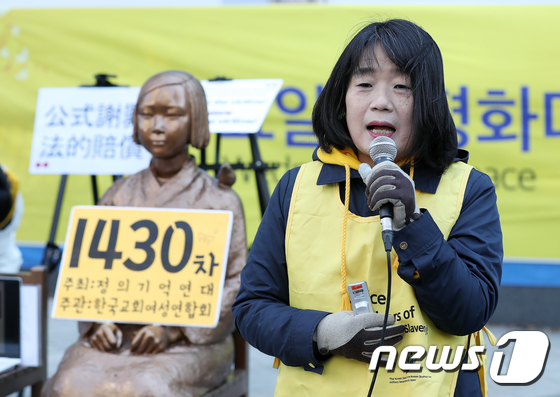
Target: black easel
[258,165]
[53,253]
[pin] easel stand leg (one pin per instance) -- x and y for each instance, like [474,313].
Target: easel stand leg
[52,255]
[262,185]
[94,189]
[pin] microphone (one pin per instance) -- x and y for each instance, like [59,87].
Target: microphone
[384,149]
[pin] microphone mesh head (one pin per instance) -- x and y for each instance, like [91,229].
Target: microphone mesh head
[382,146]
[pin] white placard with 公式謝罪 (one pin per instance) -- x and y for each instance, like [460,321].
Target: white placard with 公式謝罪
[86,130]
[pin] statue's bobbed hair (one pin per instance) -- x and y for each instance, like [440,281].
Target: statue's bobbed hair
[198,130]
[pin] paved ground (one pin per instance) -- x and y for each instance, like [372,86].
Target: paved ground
[262,377]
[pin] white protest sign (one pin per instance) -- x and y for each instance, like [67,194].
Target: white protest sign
[239,106]
[86,130]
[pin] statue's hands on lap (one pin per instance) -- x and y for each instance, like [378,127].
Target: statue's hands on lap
[107,338]
[154,339]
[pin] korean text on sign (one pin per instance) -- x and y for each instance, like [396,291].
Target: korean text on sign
[144,265]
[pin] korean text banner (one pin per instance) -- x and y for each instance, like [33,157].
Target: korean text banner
[501,66]
[144,265]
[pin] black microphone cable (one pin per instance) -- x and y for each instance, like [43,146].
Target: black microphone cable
[384,149]
[384,319]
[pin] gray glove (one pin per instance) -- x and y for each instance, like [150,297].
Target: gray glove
[355,337]
[387,183]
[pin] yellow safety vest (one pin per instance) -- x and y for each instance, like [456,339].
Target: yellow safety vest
[313,256]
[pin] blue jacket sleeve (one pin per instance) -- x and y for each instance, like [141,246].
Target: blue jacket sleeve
[459,278]
[261,311]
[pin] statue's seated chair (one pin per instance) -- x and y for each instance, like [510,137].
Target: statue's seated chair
[237,384]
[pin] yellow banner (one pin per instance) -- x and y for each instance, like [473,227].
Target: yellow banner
[144,265]
[501,66]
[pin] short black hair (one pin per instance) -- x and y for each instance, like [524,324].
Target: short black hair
[434,136]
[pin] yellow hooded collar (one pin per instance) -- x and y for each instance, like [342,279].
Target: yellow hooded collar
[339,157]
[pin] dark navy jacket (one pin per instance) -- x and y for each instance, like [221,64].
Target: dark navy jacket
[457,288]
